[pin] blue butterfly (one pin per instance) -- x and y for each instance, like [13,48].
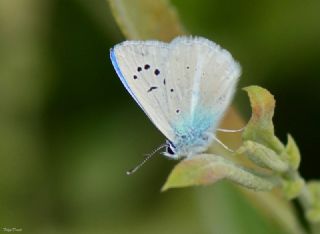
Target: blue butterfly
[184,87]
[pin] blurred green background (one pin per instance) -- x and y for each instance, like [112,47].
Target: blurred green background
[69,130]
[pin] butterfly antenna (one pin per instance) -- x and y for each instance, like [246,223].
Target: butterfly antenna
[148,156]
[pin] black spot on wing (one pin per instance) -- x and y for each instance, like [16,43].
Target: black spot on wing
[156,72]
[147,66]
[221,99]
[135,77]
[171,90]
[139,69]
[152,88]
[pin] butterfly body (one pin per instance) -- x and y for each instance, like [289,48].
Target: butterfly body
[183,86]
[193,134]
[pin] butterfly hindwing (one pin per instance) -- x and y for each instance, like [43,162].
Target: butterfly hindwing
[204,76]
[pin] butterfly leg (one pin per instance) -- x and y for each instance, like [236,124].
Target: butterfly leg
[222,144]
[230,130]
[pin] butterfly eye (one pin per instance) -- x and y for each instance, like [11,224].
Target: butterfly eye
[169,150]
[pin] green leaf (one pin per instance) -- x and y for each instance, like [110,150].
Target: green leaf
[292,153]
[263,156]
[145,19]
[313,211]
[207,169]
[292,187]
[260,127]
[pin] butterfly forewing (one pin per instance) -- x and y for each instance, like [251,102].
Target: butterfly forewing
[142,69]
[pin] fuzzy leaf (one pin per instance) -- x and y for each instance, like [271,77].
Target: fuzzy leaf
[207,169]
[146,20]
[260,127]
[292,187]
[313,212]
[292,153]
[263,156]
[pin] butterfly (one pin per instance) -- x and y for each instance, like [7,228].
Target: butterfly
[184,87]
